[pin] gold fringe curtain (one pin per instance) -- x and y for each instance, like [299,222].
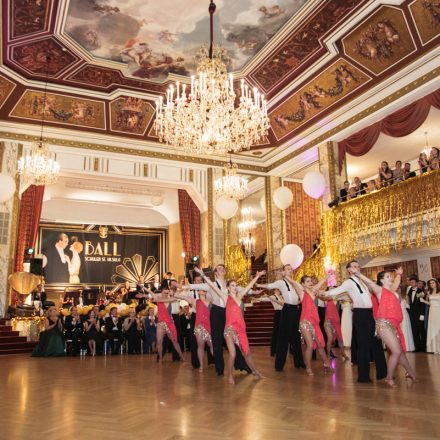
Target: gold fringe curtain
[402,215]
[237,265]
[314,265]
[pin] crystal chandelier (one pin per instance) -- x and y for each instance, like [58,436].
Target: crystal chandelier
[248,245]
[245,227]
[37,167]
[204,119]
[231,185]
[427,149]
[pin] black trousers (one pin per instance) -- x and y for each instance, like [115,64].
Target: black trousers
[193,343]
[418,330]
[177,323]
[354,346]
[218,321]
[115,336]
[289,334]
[368,346]
[275,331]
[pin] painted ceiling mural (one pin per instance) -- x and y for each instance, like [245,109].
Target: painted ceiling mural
[155,38]
[373,48]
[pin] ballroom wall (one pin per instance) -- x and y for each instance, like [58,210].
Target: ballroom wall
[302,219]
[176,263]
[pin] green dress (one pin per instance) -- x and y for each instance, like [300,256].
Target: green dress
[51,343]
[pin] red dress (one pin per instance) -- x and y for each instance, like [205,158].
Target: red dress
[164,320]
[332,320]
[202,327]
[235,325]
[309,320]
[389,315]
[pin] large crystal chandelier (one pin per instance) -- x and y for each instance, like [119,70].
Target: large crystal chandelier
[247,223]
[231,185]
[37,167]
[204,119]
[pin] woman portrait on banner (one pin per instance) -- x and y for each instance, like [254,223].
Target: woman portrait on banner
[75,261]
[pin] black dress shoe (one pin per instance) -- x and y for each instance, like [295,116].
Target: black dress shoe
[365,381]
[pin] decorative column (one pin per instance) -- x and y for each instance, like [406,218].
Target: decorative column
[328,166]
[9,153]
[274,225]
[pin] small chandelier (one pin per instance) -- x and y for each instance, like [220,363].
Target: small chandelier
[428,148]
[204,120]
[231,185]
[248,245]
[37,167]
[247,223]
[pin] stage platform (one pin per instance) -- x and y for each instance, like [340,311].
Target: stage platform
[133,397]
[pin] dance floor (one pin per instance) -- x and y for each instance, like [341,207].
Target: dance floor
[128,397]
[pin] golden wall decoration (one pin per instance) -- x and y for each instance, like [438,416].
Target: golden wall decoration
[237,265]
[336,82]
[426,15]
[400,216]
[381,41]
[60,109]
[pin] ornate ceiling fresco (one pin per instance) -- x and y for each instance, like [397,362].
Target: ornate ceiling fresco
[155,38]
[131,47]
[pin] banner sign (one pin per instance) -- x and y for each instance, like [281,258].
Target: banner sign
[100,254]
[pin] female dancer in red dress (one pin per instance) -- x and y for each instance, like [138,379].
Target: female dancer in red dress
[165,324]
[388,319]
[309,321]
[235,328]
[332,326]
[202,326]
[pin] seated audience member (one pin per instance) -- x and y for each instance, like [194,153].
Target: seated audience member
[343,193]
[132,332]
[434,160]
[316,243]
[423,163]
[39,299]
[360,187]
[351,193]
[385,174]
[150,325]
[51,341]
[407,173]
[398,172]
[371,186]
[155,285]
[74,331]
[113,330]
[92,332]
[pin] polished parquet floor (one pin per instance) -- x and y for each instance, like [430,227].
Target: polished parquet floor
[132,397]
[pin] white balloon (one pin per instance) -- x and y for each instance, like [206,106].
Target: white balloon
[226,208]
[292,254]
[282,197]
[7,187]
[314,184]
[263,203]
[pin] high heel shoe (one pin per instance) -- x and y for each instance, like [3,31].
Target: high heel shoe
[390,383]
[309,372]
[411,377]
[328,369]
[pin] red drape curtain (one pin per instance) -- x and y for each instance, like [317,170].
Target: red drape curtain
[398,124]
[28,222]
[189,216]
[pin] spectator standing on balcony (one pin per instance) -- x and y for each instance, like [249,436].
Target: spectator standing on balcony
[360,187]
[434,159]
[385,174]
[423,163]
[398,172]
[343,193]
[407,173]
[351,193]
[371,186]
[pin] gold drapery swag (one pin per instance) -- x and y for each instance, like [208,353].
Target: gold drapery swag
[237,265]
[399,216]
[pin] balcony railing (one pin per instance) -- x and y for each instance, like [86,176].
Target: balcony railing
[406,214]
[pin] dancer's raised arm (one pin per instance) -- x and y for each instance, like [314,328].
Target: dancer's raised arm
[370,284]
[251,284]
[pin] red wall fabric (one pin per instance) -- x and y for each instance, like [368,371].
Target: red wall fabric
[302,219]
[398,124]
[189,216]
[28,221]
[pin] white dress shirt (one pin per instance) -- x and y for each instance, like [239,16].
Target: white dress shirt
[360,300]
[61,254]
[210,294]
[175,308]
[287,291]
